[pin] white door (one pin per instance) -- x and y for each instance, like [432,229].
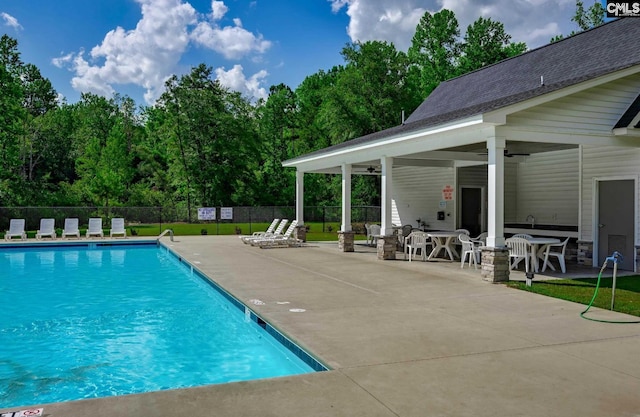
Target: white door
[616,221]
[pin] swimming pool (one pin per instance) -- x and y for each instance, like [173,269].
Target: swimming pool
[84,322]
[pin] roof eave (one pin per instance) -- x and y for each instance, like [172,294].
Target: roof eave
[373,149]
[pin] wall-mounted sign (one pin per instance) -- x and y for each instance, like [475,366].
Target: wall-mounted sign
[447,193]
[206,213]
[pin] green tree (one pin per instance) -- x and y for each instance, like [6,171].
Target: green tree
[39,97]
[11,121]
[311,94]
[277,129]
[97,132]
[434,51]
[369,94]
[485,43]
[586,19]
[212,138]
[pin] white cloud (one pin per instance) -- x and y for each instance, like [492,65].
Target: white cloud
[232,42]
[218,10]
[147,55]
[64,60]
[382,20]
[532,21]
[144,56]
[10,21]
[235,79]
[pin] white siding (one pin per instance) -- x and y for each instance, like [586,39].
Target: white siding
[593,111]
[417,192]
[548,188]
[606,163]
[510,193]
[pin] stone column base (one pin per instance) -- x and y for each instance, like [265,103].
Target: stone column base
[387,247]
[345,241]
[300,233]
[495,264]
[585,253]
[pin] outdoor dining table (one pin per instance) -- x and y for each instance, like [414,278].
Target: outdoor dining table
[538,249]
[443,241]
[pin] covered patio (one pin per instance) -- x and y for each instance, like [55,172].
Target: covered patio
[531,133]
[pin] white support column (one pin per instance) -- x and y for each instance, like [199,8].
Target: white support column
[300,197]
[495,177]
[346,198]
[385,194]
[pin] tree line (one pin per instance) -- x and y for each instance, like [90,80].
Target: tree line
[202,144]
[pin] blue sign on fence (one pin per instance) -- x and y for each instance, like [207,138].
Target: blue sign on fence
[206,213]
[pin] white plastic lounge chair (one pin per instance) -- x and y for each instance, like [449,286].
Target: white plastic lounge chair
[285,239]
[47,228]
[256,235]
[16,229]
[71,228]
[95,227]
[117,227]
[278,231]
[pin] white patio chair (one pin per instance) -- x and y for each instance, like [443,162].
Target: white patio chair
[481,239]
[414,242]
[469,249]
[95,227]
[71,228]
[117,227]
[16,229]
[519,249]
[558,253]
[522,235]
[47,228]
[456,240]
[372,236]
[404,234]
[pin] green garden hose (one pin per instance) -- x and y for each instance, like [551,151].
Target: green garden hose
[595,293]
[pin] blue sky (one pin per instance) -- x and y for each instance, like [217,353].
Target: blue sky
[132,46]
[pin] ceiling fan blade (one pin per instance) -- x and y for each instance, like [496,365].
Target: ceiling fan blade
[508,154]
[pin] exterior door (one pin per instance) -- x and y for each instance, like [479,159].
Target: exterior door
[616,221]
[471,209]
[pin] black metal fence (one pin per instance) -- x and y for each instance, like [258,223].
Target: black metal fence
[163,215]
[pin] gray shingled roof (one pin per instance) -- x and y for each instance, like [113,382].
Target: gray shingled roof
[587,55]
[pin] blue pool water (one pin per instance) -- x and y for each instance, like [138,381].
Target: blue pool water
[85,322]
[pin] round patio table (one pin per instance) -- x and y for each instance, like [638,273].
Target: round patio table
[538,248]
[443,241]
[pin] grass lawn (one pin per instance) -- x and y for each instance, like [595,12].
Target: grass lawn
[581,291]
[315,232]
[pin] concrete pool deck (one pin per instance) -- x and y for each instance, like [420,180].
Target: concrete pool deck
[402,339]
